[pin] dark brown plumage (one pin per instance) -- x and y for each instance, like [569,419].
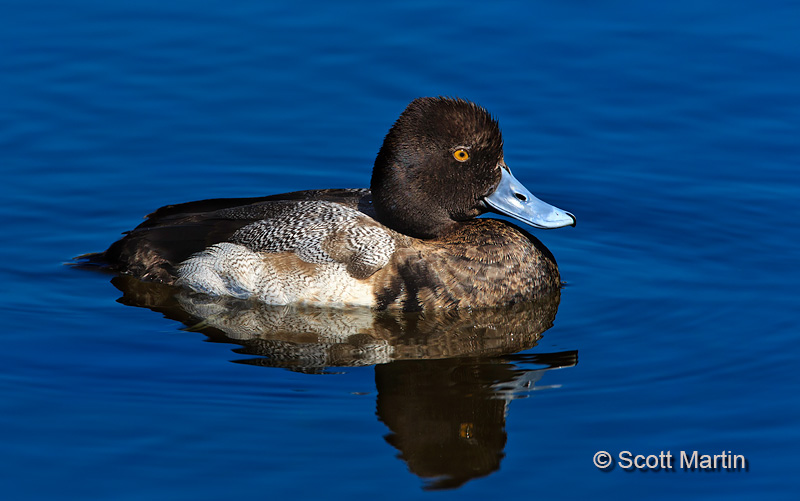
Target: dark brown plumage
[482,262]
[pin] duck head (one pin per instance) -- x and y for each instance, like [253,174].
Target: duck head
[442,163]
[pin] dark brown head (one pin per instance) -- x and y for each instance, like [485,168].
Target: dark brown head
[441,163]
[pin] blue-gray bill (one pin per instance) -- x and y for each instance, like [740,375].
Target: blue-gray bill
[513,199]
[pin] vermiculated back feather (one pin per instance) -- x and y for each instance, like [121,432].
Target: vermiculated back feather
[308,251]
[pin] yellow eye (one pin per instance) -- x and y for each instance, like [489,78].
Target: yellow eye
[461,155]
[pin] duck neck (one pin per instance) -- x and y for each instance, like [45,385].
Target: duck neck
[408,209]
[414,221]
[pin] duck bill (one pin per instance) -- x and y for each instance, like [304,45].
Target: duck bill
[513,199]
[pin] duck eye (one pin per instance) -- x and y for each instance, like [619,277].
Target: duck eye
[461,155]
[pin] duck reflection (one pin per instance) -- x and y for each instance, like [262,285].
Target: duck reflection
[444,379]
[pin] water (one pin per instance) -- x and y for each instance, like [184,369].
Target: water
[669,130]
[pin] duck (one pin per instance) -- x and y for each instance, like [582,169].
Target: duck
[413,241]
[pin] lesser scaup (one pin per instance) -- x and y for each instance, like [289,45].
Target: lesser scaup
[410,242]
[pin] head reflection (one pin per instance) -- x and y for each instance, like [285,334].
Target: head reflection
[447,417]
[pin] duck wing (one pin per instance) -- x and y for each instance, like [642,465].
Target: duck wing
[171,234]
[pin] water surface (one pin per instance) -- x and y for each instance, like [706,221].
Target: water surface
[669,130]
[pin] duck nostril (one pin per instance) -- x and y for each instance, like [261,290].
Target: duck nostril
[520,196]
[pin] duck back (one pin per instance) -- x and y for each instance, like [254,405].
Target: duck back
[153,250]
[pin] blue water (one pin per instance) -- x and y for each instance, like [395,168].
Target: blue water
[670,129]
